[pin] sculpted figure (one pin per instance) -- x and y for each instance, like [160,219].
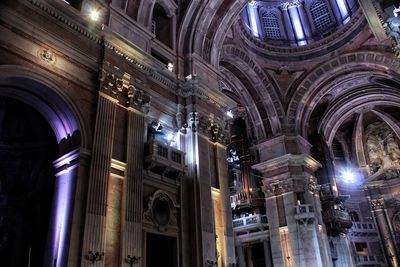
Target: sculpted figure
[392,27]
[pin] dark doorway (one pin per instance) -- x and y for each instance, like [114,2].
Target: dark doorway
[258,257]
[27,150]
[161,251]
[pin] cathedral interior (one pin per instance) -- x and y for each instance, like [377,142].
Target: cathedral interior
[195,133]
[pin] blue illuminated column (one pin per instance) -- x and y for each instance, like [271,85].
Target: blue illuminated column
[296,22]
[304,21]
[60,225]
[336,11]
[341,11]
[288,23]
[254,19]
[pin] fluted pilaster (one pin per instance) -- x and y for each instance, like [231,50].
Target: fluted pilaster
[132,244]
[98,181]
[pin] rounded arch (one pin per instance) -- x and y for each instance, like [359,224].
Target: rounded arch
[266,88]
[298,104]
[237,86]
[341,111]
[145,13]
[261,89]
[46,96]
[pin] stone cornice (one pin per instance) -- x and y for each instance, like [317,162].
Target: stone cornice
[195,87]
[73,21]
[287,160]
[282,139]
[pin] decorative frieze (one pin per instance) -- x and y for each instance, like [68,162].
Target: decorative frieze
[278,188]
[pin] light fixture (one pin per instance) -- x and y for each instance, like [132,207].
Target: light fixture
[229,113]
[348,176]
[170,137]
[94,14]
[170,66]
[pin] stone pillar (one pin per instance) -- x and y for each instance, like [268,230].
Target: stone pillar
[305,22]
[132,229]
[378,210]
[343,252]
[267,253]
[200,212]
[228,240]
[336,11]
[298,237]
[60,226]
[78,214]
[288,25]
[240,256]
[249,258]
[94,236]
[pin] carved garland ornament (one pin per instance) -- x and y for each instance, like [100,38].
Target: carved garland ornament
[161,211]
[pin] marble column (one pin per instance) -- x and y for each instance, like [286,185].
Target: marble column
[288,24]
[305,22]
[378,209]
[60,226]
[200,207]
[94,236]
[228,240]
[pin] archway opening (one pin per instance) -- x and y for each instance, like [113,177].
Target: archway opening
[28,148]
[162,25]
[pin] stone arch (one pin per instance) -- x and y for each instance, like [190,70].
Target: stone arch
[312,82]
[246,99]
[348,105]
[220,30]
[47,97]
[263,89]
[145,13]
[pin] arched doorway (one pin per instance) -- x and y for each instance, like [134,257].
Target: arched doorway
[27,149]
[37,115]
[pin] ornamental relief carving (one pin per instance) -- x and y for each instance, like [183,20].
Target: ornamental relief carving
[124,91]
[383,149]
[161,212]
[47,56]
[278,188]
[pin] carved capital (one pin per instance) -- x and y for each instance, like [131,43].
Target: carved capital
[377,203]
[290,3]
[122,89]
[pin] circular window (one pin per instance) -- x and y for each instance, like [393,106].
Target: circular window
[161,211]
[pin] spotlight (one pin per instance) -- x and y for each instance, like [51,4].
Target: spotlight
[170,137]
[348,176]
[170,66]
[94,15]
